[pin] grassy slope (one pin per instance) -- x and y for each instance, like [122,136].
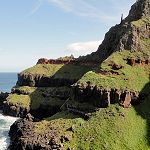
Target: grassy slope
[114,128]
[58,71]
[19,100]
[141,22]
[133,78]
[40,69]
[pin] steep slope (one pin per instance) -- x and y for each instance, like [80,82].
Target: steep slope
[131,34]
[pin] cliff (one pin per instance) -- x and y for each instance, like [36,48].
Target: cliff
[131,34]
[80,103]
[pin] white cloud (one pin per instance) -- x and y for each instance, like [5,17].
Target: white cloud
[83,48]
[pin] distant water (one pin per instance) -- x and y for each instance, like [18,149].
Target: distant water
[7,81]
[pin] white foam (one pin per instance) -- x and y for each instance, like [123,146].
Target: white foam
[5,123]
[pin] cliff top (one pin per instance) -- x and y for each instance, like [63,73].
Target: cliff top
[140,9]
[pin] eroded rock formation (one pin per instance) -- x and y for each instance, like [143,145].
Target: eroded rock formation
[42,81]
[141,62]
[101,97]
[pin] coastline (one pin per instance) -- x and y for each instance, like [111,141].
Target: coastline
[7,81]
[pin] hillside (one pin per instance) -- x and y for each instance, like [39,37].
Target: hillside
[98,101]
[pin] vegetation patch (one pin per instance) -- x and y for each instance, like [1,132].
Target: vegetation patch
[128,77]
[68,71]
[109,128]
[43,69]
[141,22]
[19,100]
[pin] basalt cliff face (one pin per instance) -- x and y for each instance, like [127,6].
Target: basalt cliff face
[131,34]
[79,103]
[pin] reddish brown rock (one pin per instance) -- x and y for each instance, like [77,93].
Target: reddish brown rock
[43,61]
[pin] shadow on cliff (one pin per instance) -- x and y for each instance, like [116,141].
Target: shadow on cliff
[65,76]
[52,92]
[143,109]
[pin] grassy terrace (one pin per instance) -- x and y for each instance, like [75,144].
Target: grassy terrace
[133,78]
[35,97]
[19,100]
[41,69]
[58,71]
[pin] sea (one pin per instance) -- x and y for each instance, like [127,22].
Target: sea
[7,81]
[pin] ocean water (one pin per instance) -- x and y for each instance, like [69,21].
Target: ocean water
[7,81]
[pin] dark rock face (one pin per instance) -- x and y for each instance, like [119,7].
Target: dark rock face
[100,97]
[141,62]
[117,66]
[41,81]
[3,97]
[24,137]
[17,131]
[45,111]
[139,10]
[15,111]
[126,35]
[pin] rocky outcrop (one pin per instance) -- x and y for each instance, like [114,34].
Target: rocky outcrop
[101,97]
[24,136]
[140,9]
[141,62]
[44,109]
[66,62]
[3,97]
[128,35]
[42,81]
[14,110]
[55,61]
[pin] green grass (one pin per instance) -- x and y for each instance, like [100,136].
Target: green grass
[43,69]
[26,89]
[141,22]
[133,78]
[113,128]
[58,125]
[146,43]
[19,100]
[69,71]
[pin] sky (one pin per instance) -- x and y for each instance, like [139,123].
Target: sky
[33,29]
